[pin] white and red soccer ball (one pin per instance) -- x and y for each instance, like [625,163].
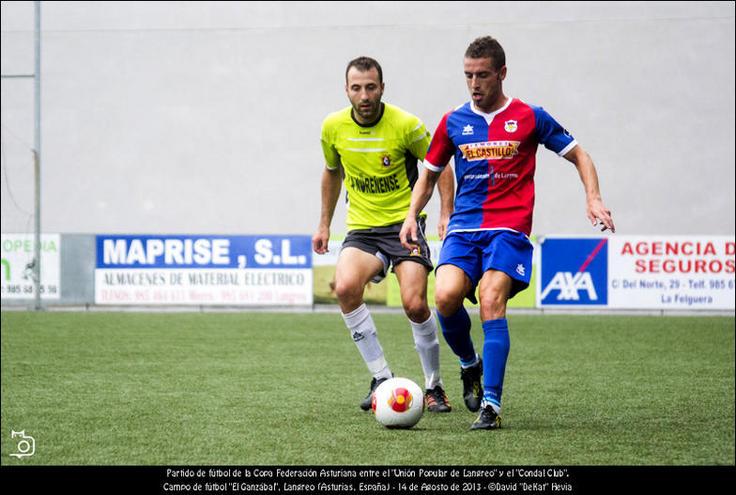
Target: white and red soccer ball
[398,403]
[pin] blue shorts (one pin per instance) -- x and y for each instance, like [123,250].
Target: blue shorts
[478,251]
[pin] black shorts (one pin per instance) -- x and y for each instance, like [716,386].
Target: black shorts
[384,243]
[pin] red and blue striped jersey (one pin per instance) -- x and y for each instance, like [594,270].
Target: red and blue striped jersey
[495,162]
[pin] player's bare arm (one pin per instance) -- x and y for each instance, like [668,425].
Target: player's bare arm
[595,209]
[420,196]
[446,187]
[331,185]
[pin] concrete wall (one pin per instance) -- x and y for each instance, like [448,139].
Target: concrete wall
[204,117]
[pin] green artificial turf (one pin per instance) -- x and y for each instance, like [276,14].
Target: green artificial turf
[283,388]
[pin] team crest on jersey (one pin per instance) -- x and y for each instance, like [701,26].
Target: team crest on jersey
[386,160]
[490,150]
[511,126]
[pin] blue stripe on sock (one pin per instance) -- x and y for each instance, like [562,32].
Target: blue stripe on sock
[496,347]
[456,330]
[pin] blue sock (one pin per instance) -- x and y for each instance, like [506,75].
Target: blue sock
[456,329]
[495,351]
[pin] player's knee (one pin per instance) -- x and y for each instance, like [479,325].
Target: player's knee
[348,291]
[493,306]
[416,309]
[447,302]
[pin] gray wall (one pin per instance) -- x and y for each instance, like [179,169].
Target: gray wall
[204,117]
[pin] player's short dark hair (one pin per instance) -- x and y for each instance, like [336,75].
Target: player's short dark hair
[487,47]
[364,64]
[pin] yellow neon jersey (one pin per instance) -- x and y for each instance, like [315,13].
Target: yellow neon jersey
[379,163]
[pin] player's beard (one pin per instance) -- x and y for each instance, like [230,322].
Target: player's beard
[368,110]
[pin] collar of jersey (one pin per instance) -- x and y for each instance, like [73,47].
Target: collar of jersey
[489,116]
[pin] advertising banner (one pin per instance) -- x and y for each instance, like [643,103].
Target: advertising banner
[638,272]
[203,270]
[17,266]
[671,272]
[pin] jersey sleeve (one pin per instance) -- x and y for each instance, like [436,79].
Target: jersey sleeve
[441,148]
[332,157]
[417,139]
[551,134]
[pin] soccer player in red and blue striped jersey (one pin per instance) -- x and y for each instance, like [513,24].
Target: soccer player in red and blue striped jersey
[493,140]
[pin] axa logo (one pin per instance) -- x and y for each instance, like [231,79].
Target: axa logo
[468,130]
[574,272]
[570,284]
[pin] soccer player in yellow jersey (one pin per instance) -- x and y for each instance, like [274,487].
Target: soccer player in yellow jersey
[374,148]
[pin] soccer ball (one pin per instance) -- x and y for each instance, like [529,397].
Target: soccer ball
[398,403]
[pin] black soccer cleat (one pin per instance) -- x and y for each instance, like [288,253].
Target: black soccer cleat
[487,419]
[472,389]
[436,400]
[366,403]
